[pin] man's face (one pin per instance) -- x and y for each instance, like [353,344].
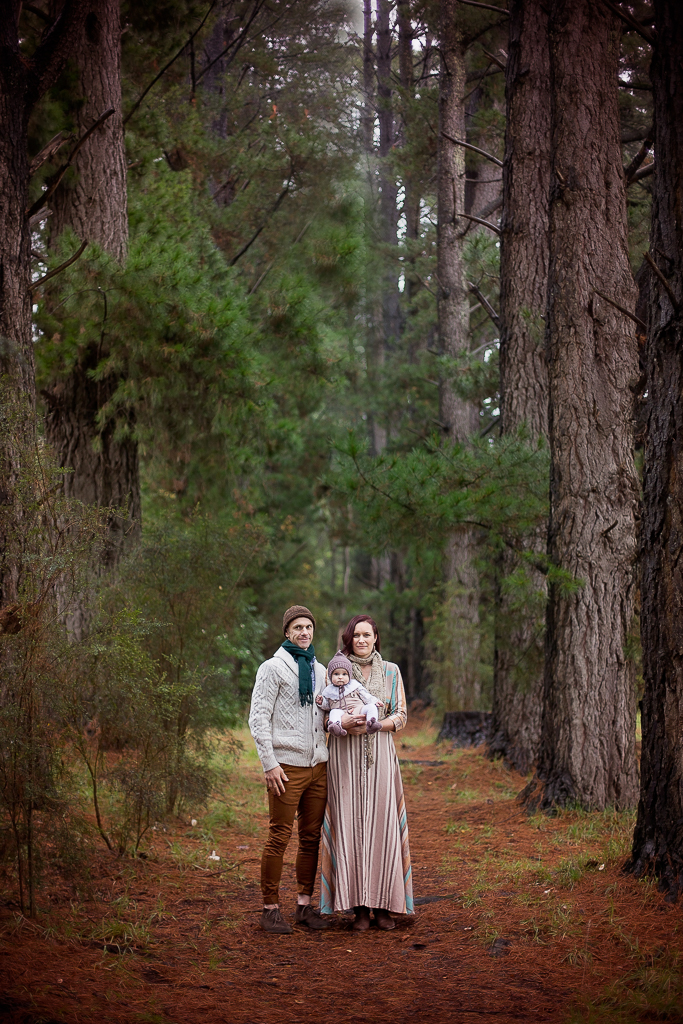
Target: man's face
[300,632]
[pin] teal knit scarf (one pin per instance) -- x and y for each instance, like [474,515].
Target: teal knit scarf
[304,659]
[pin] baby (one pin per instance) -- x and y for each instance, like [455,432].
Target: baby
[345,694]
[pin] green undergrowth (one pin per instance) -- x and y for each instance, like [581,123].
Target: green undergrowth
[651,990]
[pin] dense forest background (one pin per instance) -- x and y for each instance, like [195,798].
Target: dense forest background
[343,305]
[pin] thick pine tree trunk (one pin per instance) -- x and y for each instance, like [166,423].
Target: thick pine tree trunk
[16,349]
[22,82]
[658,838]
[518,660]
[105,470]
[459,418]
[588,732]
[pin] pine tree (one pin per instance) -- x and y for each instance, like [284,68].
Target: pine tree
[103,468]
[658,840]
[587,749]
[22,82]
[518,664]
[459,418]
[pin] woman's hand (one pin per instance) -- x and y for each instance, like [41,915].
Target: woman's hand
[354,724]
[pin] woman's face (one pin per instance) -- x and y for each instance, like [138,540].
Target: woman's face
[363,639]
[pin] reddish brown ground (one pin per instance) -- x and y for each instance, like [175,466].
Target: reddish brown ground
[500,940]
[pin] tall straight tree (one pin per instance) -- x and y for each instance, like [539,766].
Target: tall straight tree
[459,418]
[23,80]
[587,751]
[518,660]
[104,467]
[658,837]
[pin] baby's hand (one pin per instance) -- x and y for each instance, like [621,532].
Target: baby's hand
[379,703]
[318,700]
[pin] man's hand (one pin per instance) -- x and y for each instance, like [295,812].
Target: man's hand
[275,781]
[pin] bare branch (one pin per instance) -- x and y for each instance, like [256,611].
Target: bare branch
[642,172]
[665,284]
[60,268]
[634,135]
[50,57]
[631,22]
[43,199]
[486,7]
[476,291]
[640,156]
[496,60]
[494,423]
[48,151]
[491,207]
[478,220]
[167,66]
[637,86]
[475,149]
[253,238]
[237,42]
[37,11]
[631,316]
[38,217]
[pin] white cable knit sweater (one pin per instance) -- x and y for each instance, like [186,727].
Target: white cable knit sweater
[284,732]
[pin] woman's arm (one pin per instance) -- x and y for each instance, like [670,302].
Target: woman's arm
[396,697]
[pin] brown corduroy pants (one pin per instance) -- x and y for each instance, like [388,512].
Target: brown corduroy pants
[306,792]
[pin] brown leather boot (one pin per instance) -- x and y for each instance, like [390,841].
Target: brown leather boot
[383,919]
[305,914]
[362,922]
[273,921]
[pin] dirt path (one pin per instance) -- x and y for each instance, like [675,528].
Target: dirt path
[517,920]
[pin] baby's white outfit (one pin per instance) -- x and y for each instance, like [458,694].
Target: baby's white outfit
[351,698]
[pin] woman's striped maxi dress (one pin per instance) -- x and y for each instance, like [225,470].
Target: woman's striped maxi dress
[365,851]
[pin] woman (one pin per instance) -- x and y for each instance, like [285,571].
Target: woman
[365,852]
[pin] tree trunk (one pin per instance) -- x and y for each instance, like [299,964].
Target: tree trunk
[104,469]
[411,203]
[95,205]
[518,658]
[22,82]
[16,348]
[459,418]
[658,837]
[588,732]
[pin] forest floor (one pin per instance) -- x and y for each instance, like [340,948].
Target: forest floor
[517,919]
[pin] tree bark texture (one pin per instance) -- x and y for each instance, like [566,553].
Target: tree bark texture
[22,81]
[94,204]
[391,309]
[459,418]
[411,203]
[588,732]
[658,837]
[518,658]
[104,469]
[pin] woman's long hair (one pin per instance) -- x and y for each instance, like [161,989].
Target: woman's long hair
[347,635]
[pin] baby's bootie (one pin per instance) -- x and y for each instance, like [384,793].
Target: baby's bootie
[336,728]
[373,725]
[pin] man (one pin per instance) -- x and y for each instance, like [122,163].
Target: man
[287,726]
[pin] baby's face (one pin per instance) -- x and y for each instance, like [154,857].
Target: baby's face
[339,677]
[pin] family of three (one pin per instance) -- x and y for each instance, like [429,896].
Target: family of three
[345,788]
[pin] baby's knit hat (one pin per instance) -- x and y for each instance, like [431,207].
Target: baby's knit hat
[340,661]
